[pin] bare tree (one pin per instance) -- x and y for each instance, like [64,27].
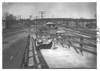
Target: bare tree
[9,19]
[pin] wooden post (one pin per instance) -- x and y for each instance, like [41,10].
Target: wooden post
[81,45]
[53,44]
[69,42]
[62,42]
[72,44]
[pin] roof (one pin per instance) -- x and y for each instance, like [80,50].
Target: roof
[49,23]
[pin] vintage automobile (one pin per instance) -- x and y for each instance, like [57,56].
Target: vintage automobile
[44,42]
[44,39]
[47,36]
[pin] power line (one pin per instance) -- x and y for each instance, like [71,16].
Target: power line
[42,14]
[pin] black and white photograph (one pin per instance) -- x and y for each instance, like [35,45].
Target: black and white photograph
[49,35]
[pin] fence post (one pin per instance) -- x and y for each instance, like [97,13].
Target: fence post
[72,44]
[69,42]
[62,42]
[81,45]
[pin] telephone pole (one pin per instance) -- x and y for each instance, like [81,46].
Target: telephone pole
[42,14]
[30,17]
[36,17]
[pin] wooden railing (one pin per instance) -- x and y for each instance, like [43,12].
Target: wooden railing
[70,41]
[25,59]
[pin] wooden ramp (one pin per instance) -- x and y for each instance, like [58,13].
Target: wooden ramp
[68,58]
[65,57]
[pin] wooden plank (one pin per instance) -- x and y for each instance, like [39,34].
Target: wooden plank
[83,49]
[92,38]
[80,42]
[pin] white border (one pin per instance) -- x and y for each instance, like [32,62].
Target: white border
[98,21]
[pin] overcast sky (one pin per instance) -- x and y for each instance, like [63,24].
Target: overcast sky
[61,10]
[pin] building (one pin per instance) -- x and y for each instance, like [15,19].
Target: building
[50,25]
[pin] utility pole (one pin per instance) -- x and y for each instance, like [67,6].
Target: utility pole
[20,17]
[42,14]
[52,16]
[36,17]
[30,17]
